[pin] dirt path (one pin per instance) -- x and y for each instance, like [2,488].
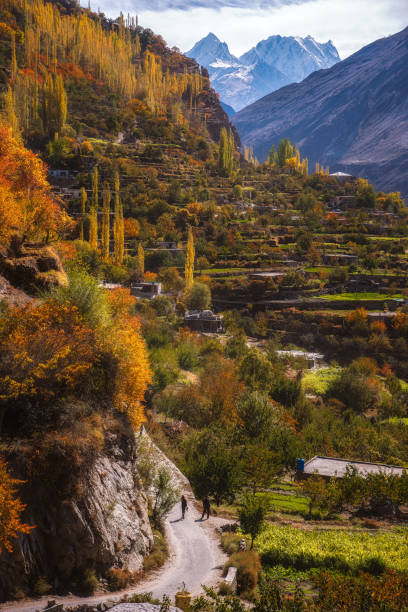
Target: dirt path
[195,558]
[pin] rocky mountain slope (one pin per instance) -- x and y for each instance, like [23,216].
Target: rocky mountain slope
[273,63]
[353,116]
[99,520]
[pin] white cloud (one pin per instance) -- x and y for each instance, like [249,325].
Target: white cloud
[350,24]
[186,5]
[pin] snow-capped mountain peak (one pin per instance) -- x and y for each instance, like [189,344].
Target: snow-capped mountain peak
[210,50]
[271,64]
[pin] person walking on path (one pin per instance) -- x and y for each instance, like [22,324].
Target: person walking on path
[184,506]
[206,508]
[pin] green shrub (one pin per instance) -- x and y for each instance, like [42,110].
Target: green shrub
[187,355]
[248,565]
[225,589]
[89,582]
[17,594]
[41,587]
[143,598]
[230,542]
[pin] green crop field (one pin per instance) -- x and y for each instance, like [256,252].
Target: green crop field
[318,382]
[360,296]
[346,551]
[281,502]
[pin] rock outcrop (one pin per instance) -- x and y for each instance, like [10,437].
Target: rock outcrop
[103,524]
[31,267]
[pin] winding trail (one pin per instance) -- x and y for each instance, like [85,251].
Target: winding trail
[195,557]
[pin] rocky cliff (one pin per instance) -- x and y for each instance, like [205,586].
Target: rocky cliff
[31,267]
[102,523]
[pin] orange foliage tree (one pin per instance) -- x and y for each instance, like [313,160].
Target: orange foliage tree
[10,509]
[27,207]
[221,387]
[133,369]
[45,353]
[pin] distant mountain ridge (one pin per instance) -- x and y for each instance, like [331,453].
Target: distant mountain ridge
[271,64]
[353,117]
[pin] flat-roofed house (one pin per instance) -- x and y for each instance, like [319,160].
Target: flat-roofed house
[329,467]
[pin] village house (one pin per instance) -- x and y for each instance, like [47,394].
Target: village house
[205,321]
[342,259]
[330,467]
[146,290]
[343,177]
[314,360]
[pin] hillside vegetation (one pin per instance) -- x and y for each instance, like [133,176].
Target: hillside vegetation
[119,171]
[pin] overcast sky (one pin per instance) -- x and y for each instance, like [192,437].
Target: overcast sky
[350,24]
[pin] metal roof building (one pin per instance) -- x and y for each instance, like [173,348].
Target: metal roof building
[330,466]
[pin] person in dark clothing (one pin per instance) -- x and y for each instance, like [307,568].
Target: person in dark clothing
[184,506]
[206,508]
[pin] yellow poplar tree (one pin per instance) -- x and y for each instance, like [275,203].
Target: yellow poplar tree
[140,261]
[190,255]
[83,210]
[10,110]
[118,224]
[106,196]
[93,227]
[14,66]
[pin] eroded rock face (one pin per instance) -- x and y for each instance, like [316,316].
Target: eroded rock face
[106,526]
[32,267]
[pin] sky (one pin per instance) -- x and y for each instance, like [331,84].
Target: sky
[350,24]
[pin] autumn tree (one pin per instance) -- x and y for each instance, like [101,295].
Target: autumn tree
[54,104]
[140,263]
[84,199]
[226,152]
[190,256]
[11,509]
[106,196]
[27,207]
[45,352]
[133,372]
[10,112]
[93,225]
[118,224]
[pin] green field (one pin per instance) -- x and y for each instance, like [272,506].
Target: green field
[397,421]
[279,502]
[347,551]
[320,269]
[318,382]
[360,296]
